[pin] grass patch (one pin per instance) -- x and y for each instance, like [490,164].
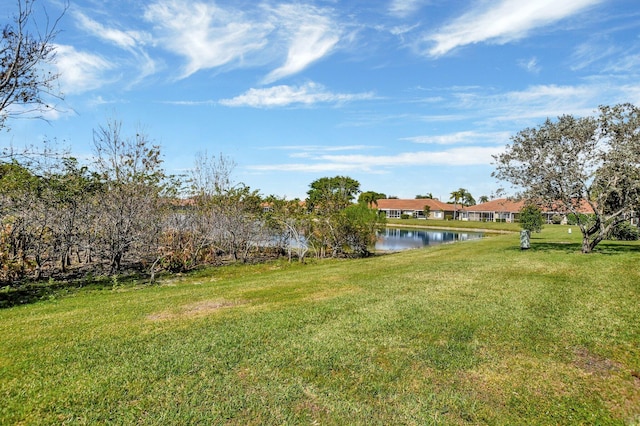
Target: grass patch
[468,333]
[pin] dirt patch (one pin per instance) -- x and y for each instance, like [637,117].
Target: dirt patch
[594,364]
[197,309]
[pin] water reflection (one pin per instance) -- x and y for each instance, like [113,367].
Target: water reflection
[392,239]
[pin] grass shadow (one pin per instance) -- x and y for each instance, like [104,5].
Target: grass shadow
[562,246]
[606,248]
[24,293]
[616,247]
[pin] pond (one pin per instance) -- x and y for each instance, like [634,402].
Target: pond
[393,239]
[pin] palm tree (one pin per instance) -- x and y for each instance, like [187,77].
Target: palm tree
[457,196]
[483,199]
[467,198]
[370,198]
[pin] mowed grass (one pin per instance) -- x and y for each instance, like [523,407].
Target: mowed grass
[471,333]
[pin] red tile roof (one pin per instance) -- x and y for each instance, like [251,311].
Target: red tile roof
[498,205]
[503,205]
[416,205]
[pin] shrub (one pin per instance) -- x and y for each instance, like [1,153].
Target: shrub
[556,219]
[625,231]
[531,218]
[405,216]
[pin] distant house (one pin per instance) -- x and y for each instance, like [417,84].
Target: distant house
[499,210]
[505,210]
[395,208]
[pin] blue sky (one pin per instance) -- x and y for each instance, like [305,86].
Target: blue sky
[406,96]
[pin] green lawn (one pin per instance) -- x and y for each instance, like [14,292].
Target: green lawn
[468,333]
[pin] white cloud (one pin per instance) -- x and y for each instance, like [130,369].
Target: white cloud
[404,8]
[130,41]
[624,63]
[279,96]
[545,101]
[122,39]
[205,34]
[465,137]
[211,36]
[531,65]
[190,103]
[592,52]
[463,156]
[523,107]
[311,35]
[318,148]
[80,71]
[502,22]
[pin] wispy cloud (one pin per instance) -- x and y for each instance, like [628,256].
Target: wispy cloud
[531,65]
[131,41]
[318,148]
[404,8]
[488,106]
[311,35]
[81,71]
[502,22]
[121,38]
[458,138]
[280,96]
[463,156]
[191,103]
[626,63]
[592,52]
[206,35]
[288,36]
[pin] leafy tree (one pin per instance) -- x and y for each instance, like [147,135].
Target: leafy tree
[428,196]
[26,47]
[332,194]
[531,218]
[361,226]
[625,231]
[339,225]
[573,162]
[370,198]
[426,211]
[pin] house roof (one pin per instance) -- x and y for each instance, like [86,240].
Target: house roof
[498,205]
[413,204]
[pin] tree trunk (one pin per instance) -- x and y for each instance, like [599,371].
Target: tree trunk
[115,262]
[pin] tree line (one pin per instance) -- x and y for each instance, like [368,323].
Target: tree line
[124,212]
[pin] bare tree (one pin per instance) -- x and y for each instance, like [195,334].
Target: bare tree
[132,198]
[27,84]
